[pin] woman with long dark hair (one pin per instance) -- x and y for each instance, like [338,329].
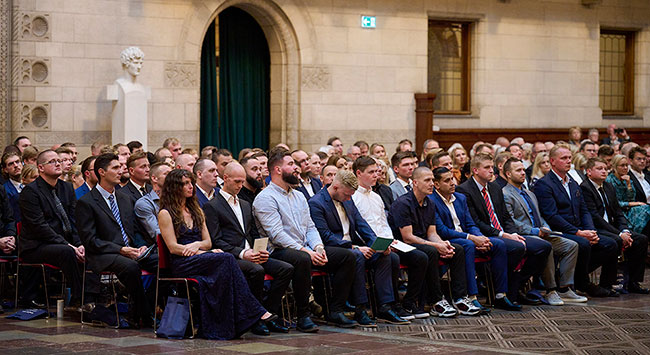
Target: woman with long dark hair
[228,309]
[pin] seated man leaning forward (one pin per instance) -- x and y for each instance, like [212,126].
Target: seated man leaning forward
[283,216]
[340,224]
[106,227]
[412,217]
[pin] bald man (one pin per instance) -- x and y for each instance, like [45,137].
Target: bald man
[233,230]
[185,162]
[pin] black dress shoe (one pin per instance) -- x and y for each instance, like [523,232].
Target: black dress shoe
[276,327]
[260,329]
[634,287]
[306,325]
[387,315]
[506,304]
[364,320]
[594,290]
[612,293]
[340,320]
[527,300]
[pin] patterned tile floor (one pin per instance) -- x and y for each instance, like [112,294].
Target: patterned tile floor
[606,326]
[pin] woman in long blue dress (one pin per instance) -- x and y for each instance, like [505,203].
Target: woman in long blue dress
[228,308]
[637,213]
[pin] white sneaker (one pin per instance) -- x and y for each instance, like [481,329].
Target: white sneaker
[571,297]
[443,309]
[466,307]
[554,299]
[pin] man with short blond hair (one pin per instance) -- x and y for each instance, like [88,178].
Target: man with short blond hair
[174,146]
[185,162]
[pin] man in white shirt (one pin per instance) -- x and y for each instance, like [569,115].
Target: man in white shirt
[206,180]
[309,185]
[640,180]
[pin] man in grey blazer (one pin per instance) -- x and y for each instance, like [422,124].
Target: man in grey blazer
[403,164]
[524,210]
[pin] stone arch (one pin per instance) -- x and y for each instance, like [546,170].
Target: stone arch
[284,53]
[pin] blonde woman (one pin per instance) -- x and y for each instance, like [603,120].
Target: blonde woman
[637,213]
[541,167]
[459,159]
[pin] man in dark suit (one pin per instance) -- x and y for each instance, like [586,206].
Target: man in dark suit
[138,185]
[206,180]
[49,233]
[488,209]
[499,161]
[88,173]
[106,226]
[340,225]
[638,177]
[454,223]
[610,222]
[562,205]
[309,185]
[232,229]
[254,181]
[11,169]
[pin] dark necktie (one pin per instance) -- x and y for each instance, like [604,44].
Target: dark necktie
[61,212]
[488,205]
[535,217]
[143,191]
[408,187]
[116,214]
[603,197]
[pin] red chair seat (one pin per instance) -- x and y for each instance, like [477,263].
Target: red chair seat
[315,273]
[268,277]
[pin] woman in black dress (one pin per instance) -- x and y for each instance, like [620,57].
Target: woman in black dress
[228,309]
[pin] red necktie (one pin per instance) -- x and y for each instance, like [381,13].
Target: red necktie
[493,217]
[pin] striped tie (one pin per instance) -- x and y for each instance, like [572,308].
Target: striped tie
[116,214]
[493,217]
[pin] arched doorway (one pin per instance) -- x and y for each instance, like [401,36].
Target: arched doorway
[235,83]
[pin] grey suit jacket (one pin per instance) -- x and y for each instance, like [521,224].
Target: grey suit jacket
[397,188]
[518,210]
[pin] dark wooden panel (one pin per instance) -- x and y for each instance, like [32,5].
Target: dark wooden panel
[467,137]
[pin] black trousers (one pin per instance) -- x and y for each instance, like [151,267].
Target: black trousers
[635,255]
[129,273]
[341,263]
[282,273]
[590,257]
[427,279]
[61,255]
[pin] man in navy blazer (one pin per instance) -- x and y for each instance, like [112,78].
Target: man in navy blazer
[88,173]
[459,228]
[340,224]
[563,207]
[11,169]
[309,185]
[206,180]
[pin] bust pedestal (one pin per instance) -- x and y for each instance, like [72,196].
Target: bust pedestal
[129,111]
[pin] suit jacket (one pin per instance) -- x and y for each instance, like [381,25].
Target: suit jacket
[398,189]
[225,232]
[130,191]
[8,226]
[200,196]
[640,194]
[444,222]
[82,190]
[327,221]
[140,236]
[40,222]
[563,214]
[479,212]
[500,181]
[99,230]
[316,185]
[12,198]
[386,195]
[616,220]
[516,206]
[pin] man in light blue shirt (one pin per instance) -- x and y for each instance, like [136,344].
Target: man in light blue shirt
[282,215]
[146,207]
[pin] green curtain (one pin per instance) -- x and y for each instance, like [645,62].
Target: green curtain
[209,105]
[244,82]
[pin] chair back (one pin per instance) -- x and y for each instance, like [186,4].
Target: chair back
[18,225]
[163,253]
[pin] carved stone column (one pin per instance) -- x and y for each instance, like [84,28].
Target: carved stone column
[5,71]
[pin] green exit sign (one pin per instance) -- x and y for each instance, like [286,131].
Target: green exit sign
[368,22]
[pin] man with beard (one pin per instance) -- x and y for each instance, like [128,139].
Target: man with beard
[11,169]
[308,185]
[88,173]
[206,180]
[263,159]
[253,183]
[283,216]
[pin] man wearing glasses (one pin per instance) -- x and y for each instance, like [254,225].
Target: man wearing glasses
[48,232]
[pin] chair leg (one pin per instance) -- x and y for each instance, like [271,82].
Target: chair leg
[83,293]
[17,283]
[189,303]
[47,298]
[155,308]
[117,311]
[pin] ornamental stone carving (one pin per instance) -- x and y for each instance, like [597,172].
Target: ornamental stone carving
[32,26]
[181,75]
[32,71]
[316,78]
[31,116]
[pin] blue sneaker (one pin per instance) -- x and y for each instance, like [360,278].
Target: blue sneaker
[484,310]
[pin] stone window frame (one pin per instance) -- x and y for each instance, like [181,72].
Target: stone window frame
[466,54]
[630,54]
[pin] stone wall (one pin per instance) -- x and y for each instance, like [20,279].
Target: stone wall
[534,64]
